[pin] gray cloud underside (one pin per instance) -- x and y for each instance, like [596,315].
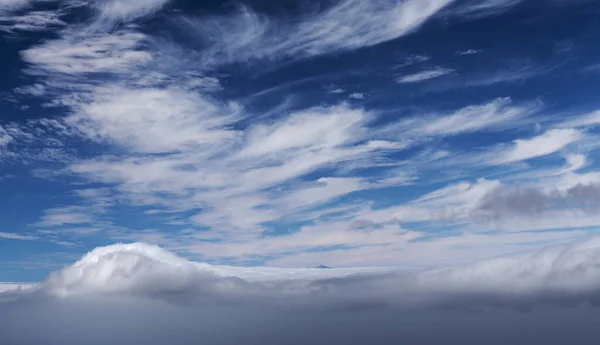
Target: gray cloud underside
[118,294]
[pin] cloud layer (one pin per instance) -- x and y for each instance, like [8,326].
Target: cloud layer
[554,275]
[115,283]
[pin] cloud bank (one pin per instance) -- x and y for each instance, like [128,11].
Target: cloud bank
[124,287]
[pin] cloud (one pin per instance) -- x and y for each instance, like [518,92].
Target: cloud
[588,120]
[126,11]
[548,276]
[167,139]
[357,95]
[467,52]
[424,75]
[539,146]
[11,5]
[473,9]
[5,137]
[533,202]
[14,236]
[76,54]
[495,114]
[516,72]
[31,21]
[153,120]
[413,59]
[345,25]
[67,215]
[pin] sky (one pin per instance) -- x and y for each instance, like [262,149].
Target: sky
[344,133]
[174,170]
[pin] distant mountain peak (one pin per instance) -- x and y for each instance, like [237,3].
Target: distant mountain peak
[322,266]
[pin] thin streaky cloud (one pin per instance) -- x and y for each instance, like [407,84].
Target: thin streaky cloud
[424,75]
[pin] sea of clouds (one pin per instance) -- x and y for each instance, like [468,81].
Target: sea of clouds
[142,294]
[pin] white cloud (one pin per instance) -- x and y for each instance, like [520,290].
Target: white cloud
[482,8]
[591,119]
[356,95]
[75,54]
[31,21]
[154,120]
[424,75]
[66,215]
[14,236]
[144,270]
[168,143]
[514,73]
[467,52]
[10,5]
[346,25]
[430,252]
[497,113]
[336,90]
[413,59]
[539,146]
[5,137]
[126,11]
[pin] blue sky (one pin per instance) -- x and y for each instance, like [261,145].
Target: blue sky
[296,133]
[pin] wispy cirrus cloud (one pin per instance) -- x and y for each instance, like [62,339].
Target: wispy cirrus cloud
[345,25]
[167,142]
[424,75]
[31,21]
[126,11]
[15,236]
[473,9]
[493,115]
[542,145]
[76,54]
